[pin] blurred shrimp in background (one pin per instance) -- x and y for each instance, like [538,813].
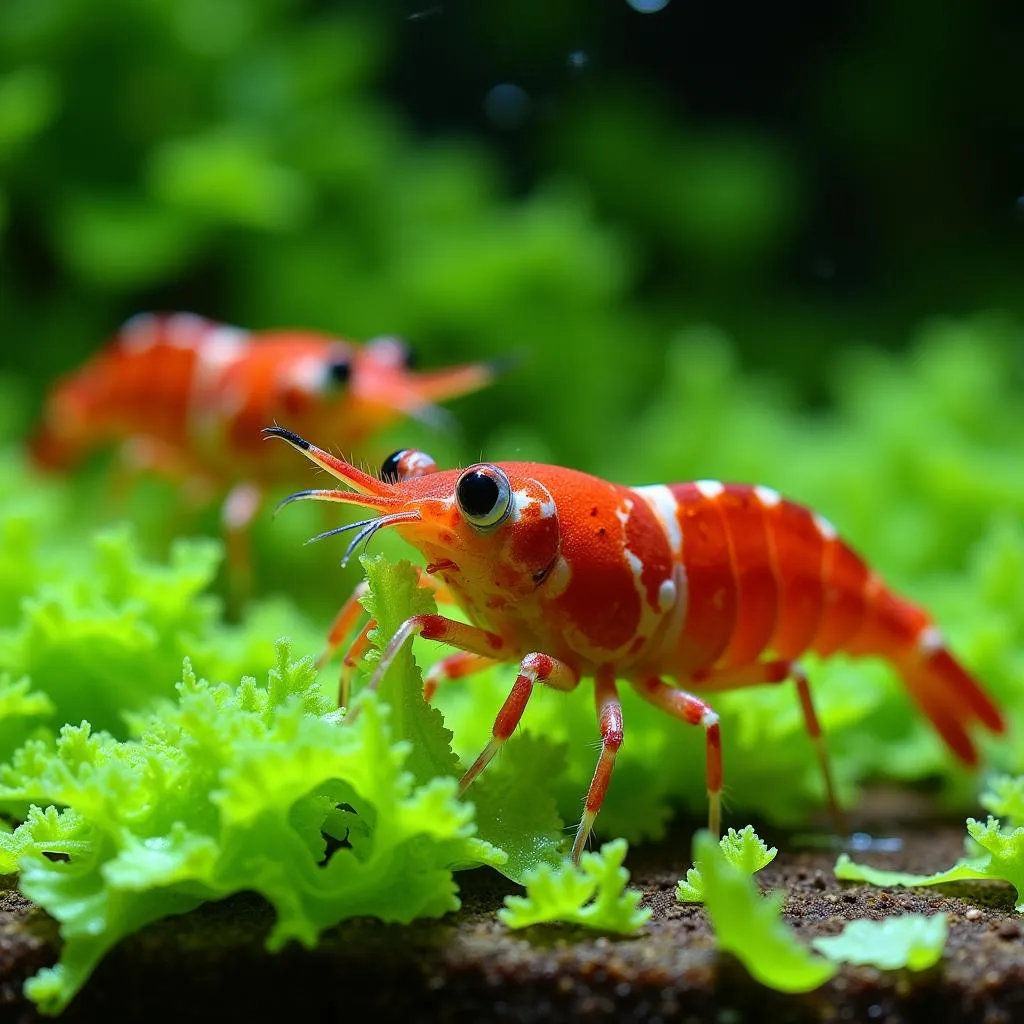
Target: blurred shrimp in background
[186,397]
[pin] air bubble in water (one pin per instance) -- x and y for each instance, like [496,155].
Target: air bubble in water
[864,842]
[507,105]
[578,60]
[648,6]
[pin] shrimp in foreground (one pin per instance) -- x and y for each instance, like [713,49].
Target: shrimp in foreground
[712,586]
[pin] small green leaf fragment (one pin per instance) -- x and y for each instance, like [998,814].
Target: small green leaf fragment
[750,927]
[744,850]
[593,895]
[691,888]
[848,871]
[915,941]
[394,596]
[1002,860]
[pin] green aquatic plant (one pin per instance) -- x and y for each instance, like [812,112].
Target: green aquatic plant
[750,925]
[1001,860]
[99,629]
[230,788]
[20,708]
[593,895]
[998,856]
[745,850]
[1004,798]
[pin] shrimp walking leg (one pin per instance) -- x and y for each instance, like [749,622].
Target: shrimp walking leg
[237,513]
[694,711]
[434,627]
[779,671]
[609,714]
[344,623]
[534,668]
[820,749]
[456,666]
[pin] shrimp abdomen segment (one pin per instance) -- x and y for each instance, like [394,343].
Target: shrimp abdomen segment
[756,577]
[768,579]
[712,592]
[748,527]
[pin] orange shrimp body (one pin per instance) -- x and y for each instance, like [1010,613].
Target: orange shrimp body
[200,391]
[186,397]
[713,586]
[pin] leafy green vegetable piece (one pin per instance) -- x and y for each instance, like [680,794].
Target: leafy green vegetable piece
[915,941]
[517,821]
[48,830]
[99,626]
[515,806]
[744,850]
[230,788]
[750,927]
[1002,860]
[594,894]
[518,826]
[394,596]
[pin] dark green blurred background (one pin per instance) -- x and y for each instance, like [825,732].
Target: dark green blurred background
[805,177]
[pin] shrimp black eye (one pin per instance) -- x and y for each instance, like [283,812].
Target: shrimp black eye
[390,468]
[339,371]
[410,359]
[484,496]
